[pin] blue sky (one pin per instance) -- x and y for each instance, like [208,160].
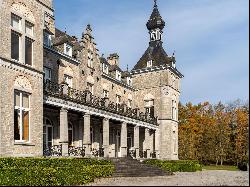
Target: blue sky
[210,37]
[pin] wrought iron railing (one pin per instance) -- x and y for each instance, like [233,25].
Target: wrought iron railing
[86,98]
[76,151]
[55,150]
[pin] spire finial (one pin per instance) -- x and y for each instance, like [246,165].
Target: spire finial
[155,3]
[127,67]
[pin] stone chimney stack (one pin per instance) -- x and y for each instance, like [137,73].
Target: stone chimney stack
[113,59]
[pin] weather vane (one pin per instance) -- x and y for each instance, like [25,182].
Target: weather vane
[155,2]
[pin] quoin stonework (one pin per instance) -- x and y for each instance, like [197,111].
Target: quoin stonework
[60,97]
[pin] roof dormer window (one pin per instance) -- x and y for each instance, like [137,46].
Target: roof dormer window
[129,81]
[150,63]
[105,68]
[118,75]
[68,49]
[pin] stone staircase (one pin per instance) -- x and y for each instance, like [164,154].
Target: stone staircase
[127,167]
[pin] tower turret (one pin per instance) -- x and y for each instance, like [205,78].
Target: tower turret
[155,24]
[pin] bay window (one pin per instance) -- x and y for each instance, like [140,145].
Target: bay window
[21,116]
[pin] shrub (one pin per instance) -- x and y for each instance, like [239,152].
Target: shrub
[52,172]
[176,165]
[242,166]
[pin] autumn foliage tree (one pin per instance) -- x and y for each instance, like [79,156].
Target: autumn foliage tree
[213,133]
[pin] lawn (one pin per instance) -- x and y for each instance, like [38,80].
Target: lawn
[219,167]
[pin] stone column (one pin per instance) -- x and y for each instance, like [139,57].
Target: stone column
[146,144]
[86,135]
[136,141]
[64,139]
[124,140]
[106,137]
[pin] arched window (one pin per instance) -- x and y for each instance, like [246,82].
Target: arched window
[70,134]
[47,133]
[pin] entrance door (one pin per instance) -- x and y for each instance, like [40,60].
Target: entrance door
[118,144]
[47,133]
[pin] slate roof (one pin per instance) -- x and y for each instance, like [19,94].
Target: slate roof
[104,60]
[154,52]
[62,37]
[114,68]
[155,20]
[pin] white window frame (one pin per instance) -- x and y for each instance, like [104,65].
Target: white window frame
[69,53]
[105,68]
[129,81]
[21,109]
[118,75]
[21,31]
[46,133]
[150,63]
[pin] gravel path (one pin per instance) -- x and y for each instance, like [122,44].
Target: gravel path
[202,178]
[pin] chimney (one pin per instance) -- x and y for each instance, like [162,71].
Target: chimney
[113,59]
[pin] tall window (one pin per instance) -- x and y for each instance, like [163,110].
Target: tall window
[47,39]
[68,49]
[105,93]
[90,59]
[118,99]
[90,87]
[28,51]
[47,133]
[174,110]
[21,116]
[129,103]
[47,73]
[70,134]
[149,107]
[15,45]
[22,40]
[69,80]
[105,68]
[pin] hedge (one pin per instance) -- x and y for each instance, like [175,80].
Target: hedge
[52,172]
[176,165]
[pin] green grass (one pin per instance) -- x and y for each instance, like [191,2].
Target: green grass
[219,167]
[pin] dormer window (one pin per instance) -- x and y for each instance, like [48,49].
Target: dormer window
[105,93]
[118,75]
[129,81]
[150,63]
[118,99]
[68,49]
[47,39]
[105,68]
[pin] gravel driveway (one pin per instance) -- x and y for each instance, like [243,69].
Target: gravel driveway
[202,178]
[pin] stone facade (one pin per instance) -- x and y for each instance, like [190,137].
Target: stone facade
[79,99]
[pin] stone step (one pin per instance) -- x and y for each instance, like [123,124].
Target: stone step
[128,167]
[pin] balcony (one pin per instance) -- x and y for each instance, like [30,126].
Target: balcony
[62,91]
